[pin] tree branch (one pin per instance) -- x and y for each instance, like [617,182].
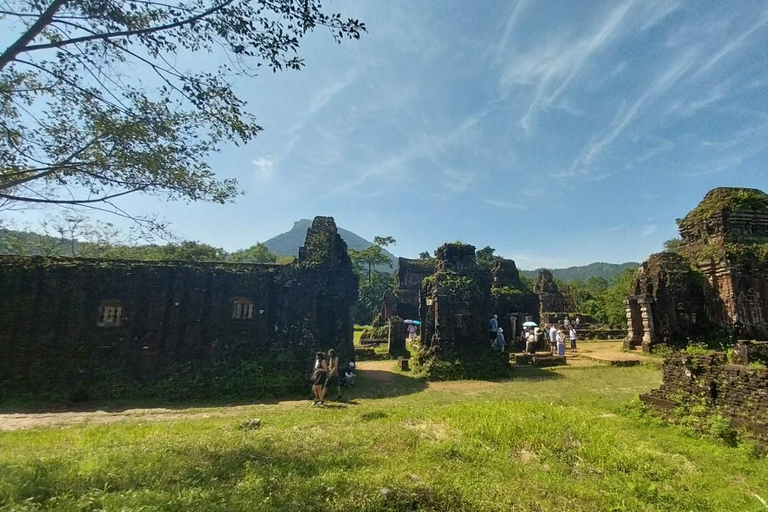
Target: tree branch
[32,32]
[125,33]
[72,201]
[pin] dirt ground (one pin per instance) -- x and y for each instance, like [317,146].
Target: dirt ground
[381,372]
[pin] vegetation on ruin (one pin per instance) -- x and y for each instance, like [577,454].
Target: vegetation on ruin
[547,440]
[725,199]
[81,125]
[227,378]
[460,288]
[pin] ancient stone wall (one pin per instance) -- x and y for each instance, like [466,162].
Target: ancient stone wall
[719,280]
[550,297]
[64,323]
[736,391]
[456,304]
[403,301]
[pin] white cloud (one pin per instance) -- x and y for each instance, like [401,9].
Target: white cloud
[506,205]
[457,181]
[501,45]
[264,168]
[554,66]
[649,230]
[658,11]
[625,115]
[734,44]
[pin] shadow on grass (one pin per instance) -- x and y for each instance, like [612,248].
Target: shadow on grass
[370,384]
[383,384]
[534,373]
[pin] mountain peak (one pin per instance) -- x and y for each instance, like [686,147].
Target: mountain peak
[288,243]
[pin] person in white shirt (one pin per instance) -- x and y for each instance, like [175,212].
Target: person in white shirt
[560,343]
[573,339]
[552,338]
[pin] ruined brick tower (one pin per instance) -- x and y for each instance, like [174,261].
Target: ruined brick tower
[717,279]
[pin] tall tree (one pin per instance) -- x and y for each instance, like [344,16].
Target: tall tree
[366,259]
[93,106]
[484,256]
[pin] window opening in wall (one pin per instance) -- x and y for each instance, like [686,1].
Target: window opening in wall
[110,315]
[242,309]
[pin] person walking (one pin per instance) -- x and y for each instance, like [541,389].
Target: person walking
[332,382]
[578,322]
[500,344]
[552,338]
[567,322]
[560,343]
[319,374]
[493,328]
[573,339]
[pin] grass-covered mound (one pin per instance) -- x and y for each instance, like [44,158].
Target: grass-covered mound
[548,441]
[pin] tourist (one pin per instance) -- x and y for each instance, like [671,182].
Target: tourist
[573,339]
[348,379]
[530,343]
[500,344]
[552,338]
[493,328]
[560,343]
[411,332]
[567,322]
[578,322]
[319,375]
[333,374]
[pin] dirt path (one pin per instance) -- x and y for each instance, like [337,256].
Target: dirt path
[381,373]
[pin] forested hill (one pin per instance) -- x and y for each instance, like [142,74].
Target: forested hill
[599,269]
[288,243]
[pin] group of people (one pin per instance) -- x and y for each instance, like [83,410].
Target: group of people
[325,376]
[555,336]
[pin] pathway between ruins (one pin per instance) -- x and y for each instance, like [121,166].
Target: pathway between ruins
[382,373]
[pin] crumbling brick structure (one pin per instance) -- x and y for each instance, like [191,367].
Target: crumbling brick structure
[74,324]
[456,303]
[403,301]
[734,391]
[551,300]
[718,279]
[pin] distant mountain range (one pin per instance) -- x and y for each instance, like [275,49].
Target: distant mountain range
[605,270]
[288,243]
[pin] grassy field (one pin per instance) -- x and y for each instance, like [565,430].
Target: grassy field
[545,440]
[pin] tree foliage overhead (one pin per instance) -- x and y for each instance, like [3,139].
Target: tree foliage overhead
[93,105]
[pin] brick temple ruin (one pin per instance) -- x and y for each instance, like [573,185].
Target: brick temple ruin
[453,297]
[67,321]
[716,281]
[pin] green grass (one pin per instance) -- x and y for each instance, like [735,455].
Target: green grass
[550,439]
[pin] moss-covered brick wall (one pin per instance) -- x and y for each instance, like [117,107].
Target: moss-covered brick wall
[178,335]
[736,391]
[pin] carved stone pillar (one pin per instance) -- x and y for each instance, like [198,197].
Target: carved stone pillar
[649,334]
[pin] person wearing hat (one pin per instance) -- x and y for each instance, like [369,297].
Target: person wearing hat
[348,379]
[493,328]
[499,344]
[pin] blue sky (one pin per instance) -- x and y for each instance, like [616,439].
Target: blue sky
[560,133]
